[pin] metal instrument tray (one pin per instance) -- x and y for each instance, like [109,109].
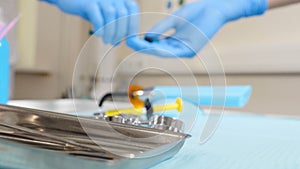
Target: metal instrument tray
[27,132]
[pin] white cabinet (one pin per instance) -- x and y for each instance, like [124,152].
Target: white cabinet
[50,42]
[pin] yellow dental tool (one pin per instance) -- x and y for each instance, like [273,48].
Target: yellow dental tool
[140,111]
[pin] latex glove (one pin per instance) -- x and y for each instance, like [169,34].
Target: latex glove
[194,24]
[104,12]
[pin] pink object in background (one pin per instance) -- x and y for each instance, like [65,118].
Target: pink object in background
[9,26]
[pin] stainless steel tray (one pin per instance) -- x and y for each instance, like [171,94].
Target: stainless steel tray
[107,144]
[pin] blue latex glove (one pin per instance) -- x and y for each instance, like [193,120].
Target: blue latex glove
[194,24]
[103,12]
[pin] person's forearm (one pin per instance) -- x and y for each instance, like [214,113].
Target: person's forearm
[279,3]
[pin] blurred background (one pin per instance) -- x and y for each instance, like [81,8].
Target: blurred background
[263,52]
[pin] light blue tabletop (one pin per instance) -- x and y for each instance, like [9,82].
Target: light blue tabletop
[242,142]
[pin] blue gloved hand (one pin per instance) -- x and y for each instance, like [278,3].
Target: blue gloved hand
[103,12]
[194,24]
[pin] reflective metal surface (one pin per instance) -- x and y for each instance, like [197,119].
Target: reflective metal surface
[166,123]
[65,134]
[156,122]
